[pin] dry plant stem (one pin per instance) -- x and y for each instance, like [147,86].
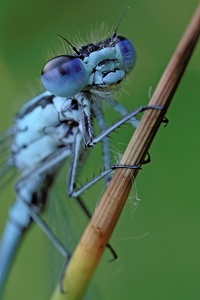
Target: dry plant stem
[93,242]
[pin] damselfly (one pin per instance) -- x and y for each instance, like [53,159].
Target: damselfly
[57,124]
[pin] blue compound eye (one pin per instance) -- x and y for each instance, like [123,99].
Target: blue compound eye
[64,76]
[128,53]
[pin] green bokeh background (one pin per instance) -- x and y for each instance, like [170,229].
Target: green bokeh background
[159,243]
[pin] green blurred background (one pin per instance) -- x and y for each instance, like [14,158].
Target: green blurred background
[158,244]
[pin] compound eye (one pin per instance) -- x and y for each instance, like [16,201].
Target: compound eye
[64,76]
[128,53]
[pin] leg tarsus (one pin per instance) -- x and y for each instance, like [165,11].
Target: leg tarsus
[165,121]
[147,159]
[114,254]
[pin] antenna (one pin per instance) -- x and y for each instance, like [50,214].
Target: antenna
[118,23]
[73,48]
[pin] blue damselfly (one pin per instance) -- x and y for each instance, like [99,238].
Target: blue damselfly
[57,124]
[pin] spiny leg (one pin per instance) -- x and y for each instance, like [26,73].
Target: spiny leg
[120,122]
[76,193]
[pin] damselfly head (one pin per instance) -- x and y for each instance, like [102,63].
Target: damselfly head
[93,67]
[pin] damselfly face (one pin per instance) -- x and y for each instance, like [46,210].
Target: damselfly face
[94,67]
